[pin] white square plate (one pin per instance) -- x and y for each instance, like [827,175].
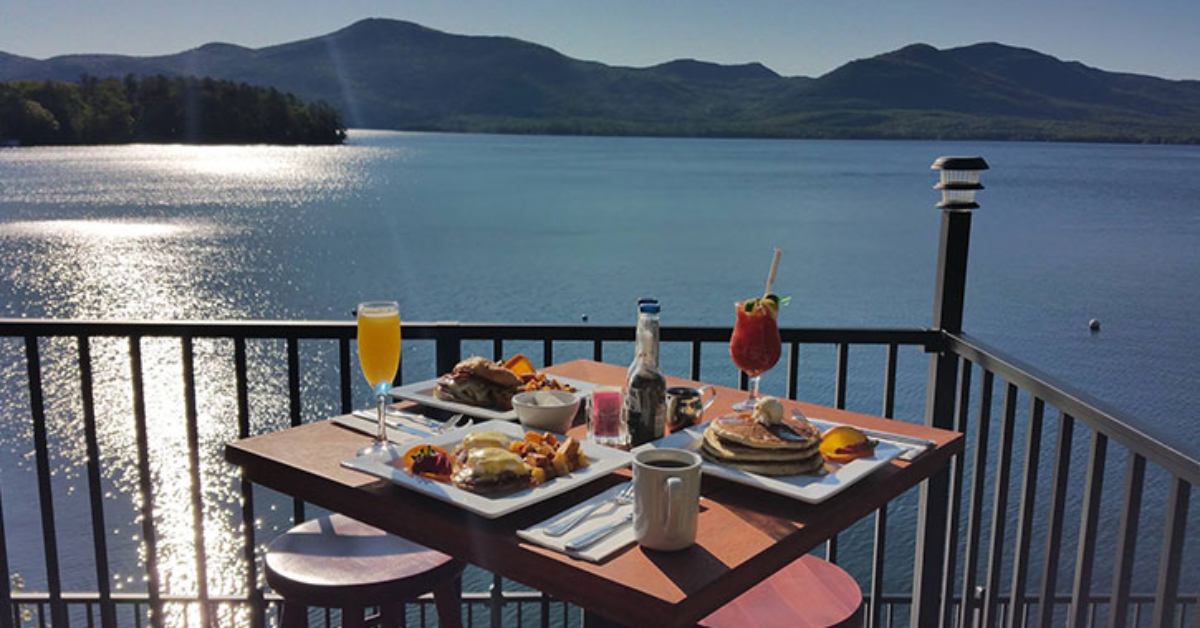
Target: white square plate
[603,460]
[812,489]
[422,393]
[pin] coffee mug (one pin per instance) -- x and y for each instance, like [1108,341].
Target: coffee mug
[666,498]
[686,405]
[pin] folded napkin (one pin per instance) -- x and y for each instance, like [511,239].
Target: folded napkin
[368,427]
[606,514]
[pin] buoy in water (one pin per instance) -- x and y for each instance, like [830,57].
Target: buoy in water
[584,318]
[1094,324]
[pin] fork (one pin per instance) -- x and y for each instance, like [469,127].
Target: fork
[560,528]
[453,423]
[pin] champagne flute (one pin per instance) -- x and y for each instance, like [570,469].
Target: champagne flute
[379,357]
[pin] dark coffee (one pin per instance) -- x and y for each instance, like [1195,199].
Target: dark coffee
[667,464]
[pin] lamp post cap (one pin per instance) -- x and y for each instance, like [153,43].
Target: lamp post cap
[959,163]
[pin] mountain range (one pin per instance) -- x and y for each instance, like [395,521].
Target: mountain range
[392,74]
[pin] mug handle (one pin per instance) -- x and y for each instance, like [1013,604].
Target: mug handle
[711,400]
[674,494]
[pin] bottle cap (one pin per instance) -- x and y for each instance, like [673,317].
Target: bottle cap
[644,300]
[651,307]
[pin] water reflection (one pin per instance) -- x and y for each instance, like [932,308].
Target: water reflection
[148,268]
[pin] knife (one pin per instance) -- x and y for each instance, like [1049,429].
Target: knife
[911,441]
[587,539]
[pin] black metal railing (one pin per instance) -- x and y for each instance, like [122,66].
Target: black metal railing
[1112,436]
[1014,579]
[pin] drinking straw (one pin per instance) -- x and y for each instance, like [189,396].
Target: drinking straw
[774,268]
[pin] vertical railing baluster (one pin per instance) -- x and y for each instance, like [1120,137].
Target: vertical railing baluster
[108,617]
[497,349]
[978,486]
[889,381]
[257,607]
[962,419]
[1090,519]
[839,384]
[839,398]
[547,352]
[991,591]
[1118,611]
[695,370]
[793,370]
[545,611]
[145,481]
[193,453]
[598,350]
[1170,560]
[37,406]
[743,380]
[8,610]
[879,550]
[1033,448]
[293,378]
[344,386]
[1058,503]
[496,600]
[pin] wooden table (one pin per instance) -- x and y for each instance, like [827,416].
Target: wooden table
[744,534]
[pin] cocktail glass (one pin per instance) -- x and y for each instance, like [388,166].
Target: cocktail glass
[379,357]
[755,345]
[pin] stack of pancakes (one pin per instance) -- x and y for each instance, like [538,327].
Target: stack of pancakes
[790,447]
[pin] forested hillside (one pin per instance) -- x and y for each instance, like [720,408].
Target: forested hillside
[161,109]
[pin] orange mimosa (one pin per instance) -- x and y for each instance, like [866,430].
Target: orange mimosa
[379,343]
[379,357]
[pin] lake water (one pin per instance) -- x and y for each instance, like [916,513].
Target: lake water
[548,229]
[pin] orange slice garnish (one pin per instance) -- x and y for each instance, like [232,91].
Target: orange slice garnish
[844,443]
[429,461]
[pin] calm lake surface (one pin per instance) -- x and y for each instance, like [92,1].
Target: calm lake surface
[547,229]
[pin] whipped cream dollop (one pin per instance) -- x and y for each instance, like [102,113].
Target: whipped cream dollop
[768,411]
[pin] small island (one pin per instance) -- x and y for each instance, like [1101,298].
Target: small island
[160,109]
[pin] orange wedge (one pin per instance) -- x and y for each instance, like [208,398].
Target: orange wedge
[845,443]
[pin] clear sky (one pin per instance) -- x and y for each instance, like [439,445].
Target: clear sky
[808,37]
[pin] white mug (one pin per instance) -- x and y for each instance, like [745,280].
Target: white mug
[666,498]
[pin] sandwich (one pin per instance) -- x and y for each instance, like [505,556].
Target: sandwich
[491,470]
[479,382]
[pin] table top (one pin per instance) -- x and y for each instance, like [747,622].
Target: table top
[743,535]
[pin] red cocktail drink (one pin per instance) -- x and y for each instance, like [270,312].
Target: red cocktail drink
[755,345]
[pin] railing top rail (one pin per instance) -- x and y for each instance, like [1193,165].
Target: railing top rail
[14,327]
[1080,405]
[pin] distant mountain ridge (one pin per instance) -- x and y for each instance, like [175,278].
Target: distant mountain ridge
[394,74]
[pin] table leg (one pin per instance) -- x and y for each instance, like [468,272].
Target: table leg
[594,620]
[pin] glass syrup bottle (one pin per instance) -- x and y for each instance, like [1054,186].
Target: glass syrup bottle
[644,408]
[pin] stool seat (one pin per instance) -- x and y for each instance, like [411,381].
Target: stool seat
[338,561]
[808,592]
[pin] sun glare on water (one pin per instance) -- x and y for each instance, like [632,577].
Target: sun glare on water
[98,229]
[238,161]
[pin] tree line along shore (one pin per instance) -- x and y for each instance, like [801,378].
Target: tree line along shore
[160,109]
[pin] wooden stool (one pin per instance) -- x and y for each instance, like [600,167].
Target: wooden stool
[808,592]
[339,562]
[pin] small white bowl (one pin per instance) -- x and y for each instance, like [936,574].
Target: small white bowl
[547,410]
